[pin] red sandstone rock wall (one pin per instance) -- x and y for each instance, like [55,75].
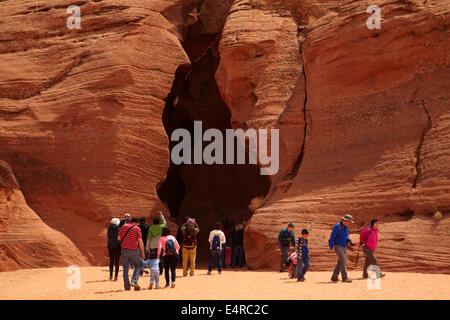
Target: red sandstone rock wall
[25,240]
[377,126]
[80,110]
[363,115]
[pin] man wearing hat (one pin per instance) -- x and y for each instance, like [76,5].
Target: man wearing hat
[338,241]
[285,238]
[190,230]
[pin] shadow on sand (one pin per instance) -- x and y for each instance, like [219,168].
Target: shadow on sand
[110,291]
[96,281]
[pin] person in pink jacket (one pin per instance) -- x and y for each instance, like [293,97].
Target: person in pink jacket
[368,239]
[171,248]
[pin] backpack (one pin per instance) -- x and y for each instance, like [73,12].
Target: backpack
[113,232]
[170,247]
[189,237]
[216,242]
[370,232]
[339,231]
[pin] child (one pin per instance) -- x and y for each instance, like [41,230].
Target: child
[291,263]
[153,264]
[145,264]
[302,256]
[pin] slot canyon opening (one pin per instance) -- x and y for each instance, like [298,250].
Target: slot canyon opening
[208,193]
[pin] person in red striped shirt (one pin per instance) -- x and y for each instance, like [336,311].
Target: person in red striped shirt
[130,238]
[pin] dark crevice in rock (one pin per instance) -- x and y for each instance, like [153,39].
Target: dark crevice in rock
[172,190]
[404,215]
[210,193]
[427,128]
[298,162]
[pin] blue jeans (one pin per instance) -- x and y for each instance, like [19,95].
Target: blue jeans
[154,277]
[131,257]
[238,255]
[302,266]
[215,259]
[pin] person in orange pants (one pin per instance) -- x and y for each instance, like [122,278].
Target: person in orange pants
[190,230]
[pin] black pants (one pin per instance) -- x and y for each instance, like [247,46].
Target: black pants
[170,262]
[114,257]
[370,259]
[215,260]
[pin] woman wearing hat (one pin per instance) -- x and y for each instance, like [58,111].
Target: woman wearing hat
[338,241]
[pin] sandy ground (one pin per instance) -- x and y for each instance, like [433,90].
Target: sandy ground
[231,284]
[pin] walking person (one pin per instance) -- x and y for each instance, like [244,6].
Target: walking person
[153,265]
[225,228]
[237,240]
[130,238]
[339,241]
[180,239]
[154,234]
[190,230]
[216,241]
[125,220]
[302,256]
[171,248]
[243,249]
[285,238]
[144,230]
[114,248]
[368,239]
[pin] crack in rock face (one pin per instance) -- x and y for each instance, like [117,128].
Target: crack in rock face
[428,127]
[209,193]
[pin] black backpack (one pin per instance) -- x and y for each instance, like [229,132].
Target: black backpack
[190,238]
[170,247]
[113,232]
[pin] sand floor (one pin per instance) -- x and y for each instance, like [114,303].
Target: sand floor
[235,284]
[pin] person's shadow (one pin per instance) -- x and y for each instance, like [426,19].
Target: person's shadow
[95,281]
[110,291]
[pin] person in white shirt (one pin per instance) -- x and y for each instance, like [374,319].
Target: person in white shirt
[216,240]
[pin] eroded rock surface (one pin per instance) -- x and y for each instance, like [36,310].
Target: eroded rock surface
[377,119]
[80,110]
[25,240]
[363,116]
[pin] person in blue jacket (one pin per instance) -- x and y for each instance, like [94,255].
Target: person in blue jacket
[285,238]
[338,241]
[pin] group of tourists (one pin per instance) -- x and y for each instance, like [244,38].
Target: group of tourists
[152,249]
[298,262]
[160,251]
